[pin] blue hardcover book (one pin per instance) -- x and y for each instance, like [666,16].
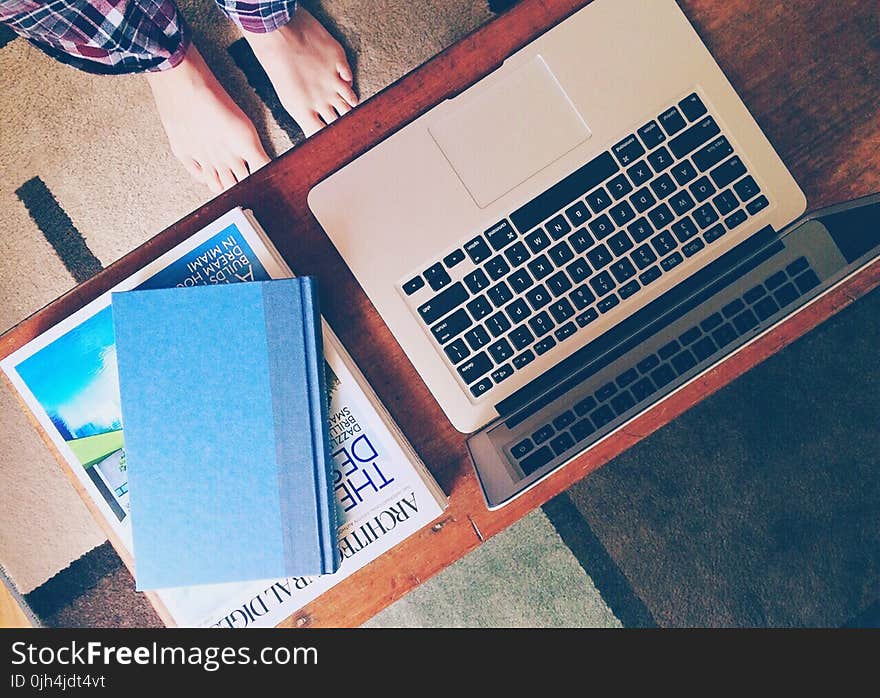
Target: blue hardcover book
[224,409]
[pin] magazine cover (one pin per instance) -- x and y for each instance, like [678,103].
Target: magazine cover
[67,377]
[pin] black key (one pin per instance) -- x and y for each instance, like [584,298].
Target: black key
[735,219]
[457,351]
[537,241]
[725,202]
[536,460]
[640,230]
[786,294]
[732,308]
[580,240]
[746,188]
[643,199]
[745,321]
[711,322]
[639,173]
[602,283]
[544,345]
[683,172]
[757,205]
[565,419]
[692,106]
[479,388]
[588,403]
[648,363]
[628,150]
[564,192]
[690,336]
[452,326]
[684,229]
[521,337]
[660,159]
[566,331]
[520,280]
[683,362]
[651,135]
[715,232]
[724,335]
[622,213]
[561,310]
[765,307]
[663,243]
[672,121]
[607,303]
[728,171]
[557,227]
[413,285]
[522,448]
[694,137]
[516,254]
[620,243]
[754,294]
[663,375]
[691,248]
[498,324]
[627,377]
[776,280]
[538,297]
[643,257]
[704,348]
[598,200]
[505,371]
[518,311]
[562,443]
[437,277]
[599,256]
[540,266]
[712,153]
[497,267]
[797,266]
[628,289]
[501,351]
[478,250]
[681,202]
[606,391]
[542,434]
[558,284]
[643,389]
[477,337]
[582,429]
[581,297]
[622,402]
[669,349]
[541,324]
[807,281]
[649,276]
[623,269]
[586,317]
[443,303]
[499,294]
[475,368]
[523,359]
[578,214]
[705,216]
[500,235]
[619,186]
[560,253]
[601,226]
[453,258]
[602,416]
[578,270]
[660,216]
[663,186]
[702,189]
[476,281]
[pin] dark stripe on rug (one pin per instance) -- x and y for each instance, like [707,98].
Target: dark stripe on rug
[58,229]
[597,563]
[6,35]
[501,5]
[247,62]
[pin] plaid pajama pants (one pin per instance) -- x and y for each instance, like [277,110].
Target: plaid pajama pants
[125,36]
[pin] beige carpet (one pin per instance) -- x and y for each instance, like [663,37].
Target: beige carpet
[97,145]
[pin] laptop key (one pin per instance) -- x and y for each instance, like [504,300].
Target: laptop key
[452,326]
[627,377]
[453,258]
[580,240]
[501,235]
[497,267]
[541,324]
[622,402]
[711,322]
[584,406]
[602,283]
[564,332]
[413,285]
[581,297]
[536,460]
[672,121]
[705,216]
[540,266]
[663,243]
[643,256]
[502,373]
[443,303]
[619,186]
[498,324]
[669,349]
[500,350]
[517,254]
[797,266]
[483,386]
[683,362]
[476,281]
[806,281]
[607,303]
[457,351]
[586,317]
[754,293]
[518,311]
[712,153]
[704,348]
[643,199]
[557,228]
[663,375]
[437,276]
[786,294]
[649,276]
[684,229]
[606,391]
[681,202]
[660,159]
[715,232]
[558,284]
[745,321]
[623,269]
[477,337]
[538,297]
[695,136]
[757,205]
[565,419]
[683,172]
[724,335]
[663,186]
[649,363]
[560,253]
[728,171]
[521,337]
[746,188]
[476,367]
[692,106]
[520,280]
[628,150]
[599,256]
[581,429]
[578,270]
[628,289]
[601,227]
[776,280]
[521,449]
[735,219]
[542,434]
[478,250]
[732,308]
[598,200]
[544,345]
[640,230]
[619,243]
[643,389]
[537,241]
[725,202]
[765,308]
[622,213]
[577,214]
[602,416]
[562,443]
[690,336]
[561,310]
[523,359]
[702,189]
[651,134]
[499,294]
[660,216]
[639,173]
[694,246]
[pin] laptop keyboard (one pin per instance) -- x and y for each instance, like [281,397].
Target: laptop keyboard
[585,245]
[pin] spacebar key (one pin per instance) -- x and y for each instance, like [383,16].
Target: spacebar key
[443,303]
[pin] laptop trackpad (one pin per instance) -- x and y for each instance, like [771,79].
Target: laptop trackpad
[508,132]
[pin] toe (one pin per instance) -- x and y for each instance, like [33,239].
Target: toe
[194,168]
[347,93]
[340,105]
[239,169]
[310,124]
[344,71]
[227,179]
[212,179]
[256,157]
[327,113]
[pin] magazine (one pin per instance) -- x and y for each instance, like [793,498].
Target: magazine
[67,378]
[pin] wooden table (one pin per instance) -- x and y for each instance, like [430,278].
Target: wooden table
[809,72]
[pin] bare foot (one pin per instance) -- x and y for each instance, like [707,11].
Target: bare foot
[207,131]
[308,69]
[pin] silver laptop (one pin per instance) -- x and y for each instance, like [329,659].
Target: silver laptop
[507,230]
